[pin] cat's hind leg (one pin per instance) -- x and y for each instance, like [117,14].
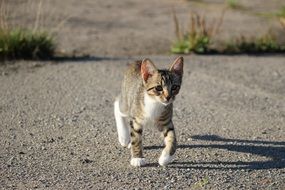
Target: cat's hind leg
[122,127]
[167,154]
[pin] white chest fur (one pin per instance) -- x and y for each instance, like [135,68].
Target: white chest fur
[153,108]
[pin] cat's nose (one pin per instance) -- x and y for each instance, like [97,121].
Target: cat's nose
[167,98]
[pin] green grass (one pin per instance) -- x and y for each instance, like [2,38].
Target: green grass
[25,44]
[263,44]
[199,36]
[233,4]
[192,43]
[200,39]
[201,45]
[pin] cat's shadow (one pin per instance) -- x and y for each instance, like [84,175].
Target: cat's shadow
[274,152]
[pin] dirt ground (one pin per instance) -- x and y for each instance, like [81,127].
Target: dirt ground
[57,129]
[136,27]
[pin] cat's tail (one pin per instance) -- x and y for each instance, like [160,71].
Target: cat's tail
[122,127]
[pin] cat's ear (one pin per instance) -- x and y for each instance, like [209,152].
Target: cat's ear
[147,69]
[177,66]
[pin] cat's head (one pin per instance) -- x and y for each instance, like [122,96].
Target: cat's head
[162,85]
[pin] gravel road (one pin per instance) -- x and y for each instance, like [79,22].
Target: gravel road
[57,129]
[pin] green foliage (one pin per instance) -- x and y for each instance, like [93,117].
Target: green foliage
[25,44]
[263,44]
[192,43]
[198,37]
[232,4]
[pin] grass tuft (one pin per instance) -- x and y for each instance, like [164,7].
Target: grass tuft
[198,37]
[263,44]
[191,43]
[25,44]
[233,4]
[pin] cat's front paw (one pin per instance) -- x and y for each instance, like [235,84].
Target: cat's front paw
[165,159]
[138,162]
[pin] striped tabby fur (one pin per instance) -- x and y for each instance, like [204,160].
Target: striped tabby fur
[146,99]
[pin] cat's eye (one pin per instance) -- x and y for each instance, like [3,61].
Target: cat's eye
[158,88]
[174,87]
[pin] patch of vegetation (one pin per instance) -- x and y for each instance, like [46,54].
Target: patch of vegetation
[192,43]
[25,44]
[198,38]
[263,44]
[233,4]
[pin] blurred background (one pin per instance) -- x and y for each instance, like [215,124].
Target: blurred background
[135,27]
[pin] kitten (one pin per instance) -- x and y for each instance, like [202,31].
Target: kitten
[146,98]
